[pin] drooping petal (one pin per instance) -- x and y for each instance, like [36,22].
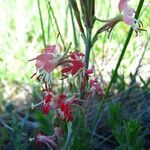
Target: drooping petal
[76,55]
[77,65]
[39,65]
[46,108]
[89,71]
[129,11]
[51,49]
[66,70]
[44,57]
[65,111]
[128,20]
[62,97]
[122,5]
[48,140]
[49,66]
[48,98]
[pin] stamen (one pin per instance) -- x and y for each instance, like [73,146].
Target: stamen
[35,105]
[33,75]
[31,139]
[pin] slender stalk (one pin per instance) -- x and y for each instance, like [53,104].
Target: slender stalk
[89,19]
[68,140]
[73,26]
[49,19]
[42,26]
[87,47]
[53,15]
[124,49]
[78,18]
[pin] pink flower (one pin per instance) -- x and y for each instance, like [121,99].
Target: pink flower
[94,88]
[73,67]
[48,140]
[89,71]
[46,108]
[127,15]
[52,142]
[47,103]
[122,5]
[63,107]
[76,55]
[46,60]
[74,64]
[64,111]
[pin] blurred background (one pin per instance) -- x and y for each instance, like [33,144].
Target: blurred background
[21,39]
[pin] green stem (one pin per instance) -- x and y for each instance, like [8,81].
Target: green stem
[123,50]
[49,20]
[42,26]
[77,16]
[68,140]
[73,26]
[87,47]
[56,23]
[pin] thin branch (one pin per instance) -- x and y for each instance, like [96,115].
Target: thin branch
[42,25]
[62,40]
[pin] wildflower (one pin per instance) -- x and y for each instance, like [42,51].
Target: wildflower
[46,60]
[64,111]
[46,108]
[89,71]
[76,55]
[63,107]
[74,64]
[48,140]
[53,141]
[73,67]
[127,15]
[94,88]
[85,77]
[47,103]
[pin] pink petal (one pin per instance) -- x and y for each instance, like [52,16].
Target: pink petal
[51,49]
[45,57]
[128,20]
[129,11]
[39,65]
[122,5]
[49,67]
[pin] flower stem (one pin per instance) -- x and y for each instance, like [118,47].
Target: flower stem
[68,140]
[123,50]
[87,47]
[42,26]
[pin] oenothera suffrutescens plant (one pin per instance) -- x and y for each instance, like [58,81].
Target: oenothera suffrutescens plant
[73,65]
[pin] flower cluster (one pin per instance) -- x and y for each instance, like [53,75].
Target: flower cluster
[60,104]
[70,64]
[74,64]
[49,60]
